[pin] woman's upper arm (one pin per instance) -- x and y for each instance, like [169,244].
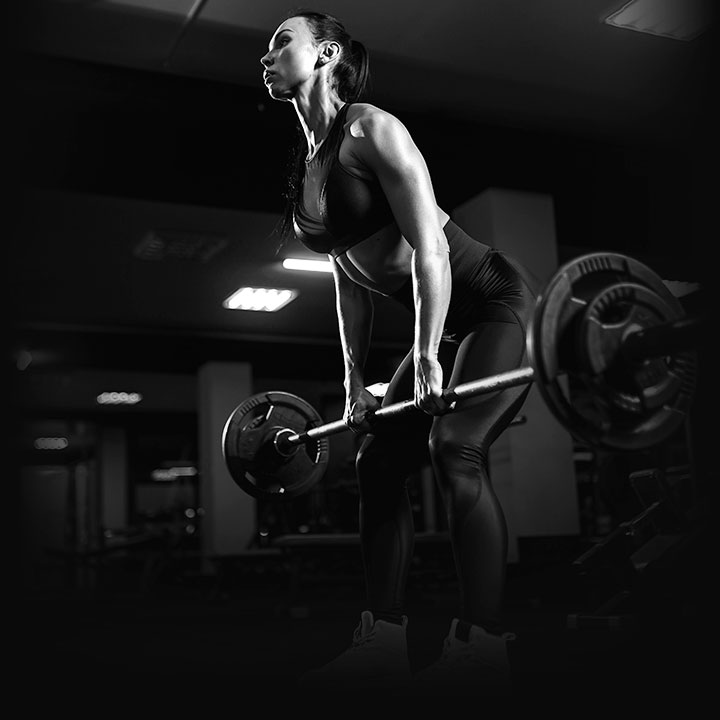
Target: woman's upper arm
[384,145]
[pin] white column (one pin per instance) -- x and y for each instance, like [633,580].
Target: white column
[531,465]
[113,476]
[229,523]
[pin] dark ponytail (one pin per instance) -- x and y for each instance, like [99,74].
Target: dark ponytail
[357,85]
[352,81]
[351,72]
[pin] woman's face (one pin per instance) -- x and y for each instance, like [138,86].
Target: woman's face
[291,58]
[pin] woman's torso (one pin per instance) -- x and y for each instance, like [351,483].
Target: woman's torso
[343,212]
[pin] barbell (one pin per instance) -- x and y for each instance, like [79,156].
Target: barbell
[610,349]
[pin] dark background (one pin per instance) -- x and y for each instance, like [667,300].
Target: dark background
[124,124]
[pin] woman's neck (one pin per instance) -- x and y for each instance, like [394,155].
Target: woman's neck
[316,116]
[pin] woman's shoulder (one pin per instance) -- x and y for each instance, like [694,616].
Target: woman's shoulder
[367,118]
[362,109]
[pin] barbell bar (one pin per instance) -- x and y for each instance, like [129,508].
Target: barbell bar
[610,350]
[482,386]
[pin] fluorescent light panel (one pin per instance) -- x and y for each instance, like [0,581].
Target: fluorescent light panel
[172,473]
[307,265]
[51,443]
[118,398]
[677,19]
[259,299]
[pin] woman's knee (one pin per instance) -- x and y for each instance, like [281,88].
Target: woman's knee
[383,463]
[454,454]
[373,460]
[367,458]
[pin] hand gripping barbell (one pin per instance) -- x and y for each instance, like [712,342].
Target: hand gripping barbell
[610,348]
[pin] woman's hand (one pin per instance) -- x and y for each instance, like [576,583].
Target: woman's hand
[429,387]
[357,406]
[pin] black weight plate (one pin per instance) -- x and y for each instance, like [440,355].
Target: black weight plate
[561,371]
[643,401]
[615,313]
[249,449]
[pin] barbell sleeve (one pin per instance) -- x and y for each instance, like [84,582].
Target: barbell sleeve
[662,339]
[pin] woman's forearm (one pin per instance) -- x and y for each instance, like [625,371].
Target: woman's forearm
[432,287]
[355,313]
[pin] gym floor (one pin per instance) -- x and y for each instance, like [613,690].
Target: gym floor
[168,630]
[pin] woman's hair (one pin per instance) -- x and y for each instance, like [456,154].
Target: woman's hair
[350,72]
[351,78]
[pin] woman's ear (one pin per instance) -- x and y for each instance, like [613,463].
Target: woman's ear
[328,52]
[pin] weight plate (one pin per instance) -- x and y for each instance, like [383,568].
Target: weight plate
[251,456]
[575,357]
[615,313]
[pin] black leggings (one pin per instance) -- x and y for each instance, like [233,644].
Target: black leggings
[457,446]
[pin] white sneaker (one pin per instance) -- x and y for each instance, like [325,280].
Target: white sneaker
[378,657]
[472,660]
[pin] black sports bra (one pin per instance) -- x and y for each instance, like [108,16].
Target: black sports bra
[337,209]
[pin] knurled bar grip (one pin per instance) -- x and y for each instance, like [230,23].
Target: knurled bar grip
[482,386]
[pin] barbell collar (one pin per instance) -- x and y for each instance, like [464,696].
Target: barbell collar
[665,339]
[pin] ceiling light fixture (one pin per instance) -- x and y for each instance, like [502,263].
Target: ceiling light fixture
[51,443]
[677,19]
[307,265]
[259,299]
[119,398]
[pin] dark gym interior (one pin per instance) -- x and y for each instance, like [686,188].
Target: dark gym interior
[146,167]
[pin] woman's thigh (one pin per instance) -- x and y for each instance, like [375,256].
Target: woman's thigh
[491,348]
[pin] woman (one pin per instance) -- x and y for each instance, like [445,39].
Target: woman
[362,194]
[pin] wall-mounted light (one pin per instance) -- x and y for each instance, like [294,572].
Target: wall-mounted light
[307,265]
[259,299]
